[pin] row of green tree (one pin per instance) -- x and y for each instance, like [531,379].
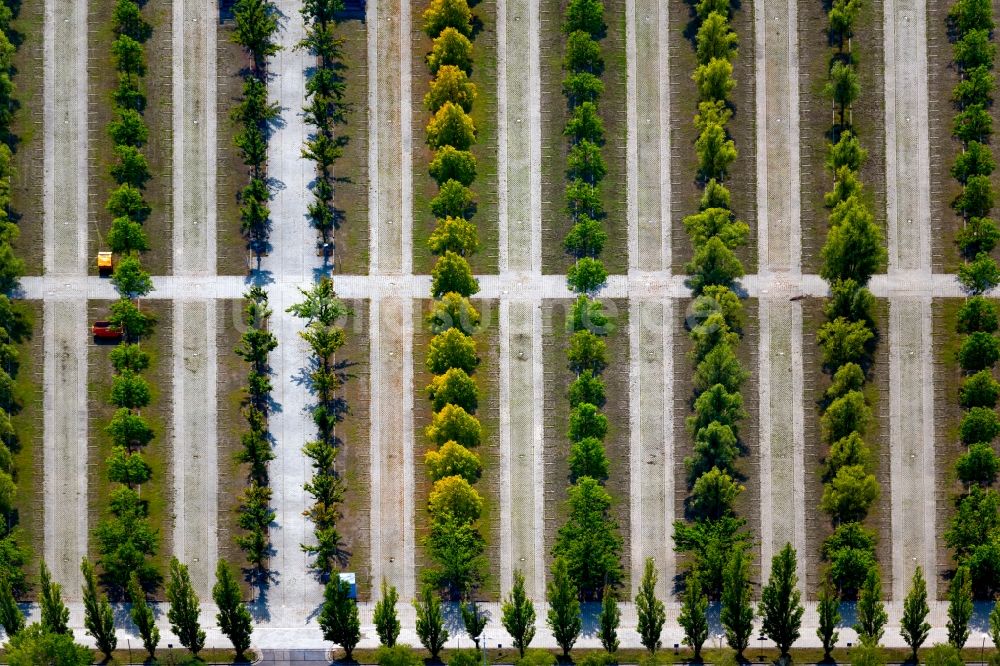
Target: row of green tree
[852,253]
[125,539]
[974,533]
[712,531]
[324,109]
[50,640]
[324,314]
[454,542]
[256,343]
[256,25]
[588,546]
[15,327]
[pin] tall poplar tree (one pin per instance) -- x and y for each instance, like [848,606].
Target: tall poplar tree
[518,615]
[737,604]
[650,610]
[564,607]
[913,625]
[385,617]
[184,607]
[608,620]
[871,611]
[781,601]
[97,616]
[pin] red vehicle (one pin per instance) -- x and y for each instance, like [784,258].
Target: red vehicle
[105,331]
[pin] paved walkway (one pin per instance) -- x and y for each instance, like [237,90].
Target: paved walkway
[651,317]
[911,367]
[65,325]
[294,596]
[195,407]
[781,440]
[522,392]
[391,312]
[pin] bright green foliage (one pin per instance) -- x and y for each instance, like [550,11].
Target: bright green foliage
[453,387]
[453,460]
[871,615]
[693,618]
[842,341]
[454,234]
[452,349]
[453,311]
[54,614]
[451,164]
[979,275]
[442,14]
[588,541]
[978,465]
[518,615]
[849,495]
[737,602]
[587,457]
[650,610]
[474,621]
[608,620]
[714,494]
[829,617]
[959,608]
[339,617]
[386,620]
[450,47]
[98,619]
[452,273]
[913,625]
[430,622]
[451,126]
[454,495]
[184,607]
[564,608]
[11,617]
[37,645]
[233,617]
[142,616]
[979,351]
[455,424]
[586,276]
[781,607]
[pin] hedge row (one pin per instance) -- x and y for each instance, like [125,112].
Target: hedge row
[323,312]
[256,25]
[455,543]
[974,533]
[588,544]
[14,327]
[853,252]
[714,535]
[124,537]
[255,502]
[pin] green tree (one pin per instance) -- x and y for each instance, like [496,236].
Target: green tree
[97,616]
[583,54]
[842,341]
[586,15]
[651,612]
[959,608]
[978,465]
[450,48]
[854,247]
[588,541]
[913,625]
[474,621]
[456,549]
[184,606]
[233,617]
[451,126]
[979,424]
[979,351]
[693,618]
[454,496]
[995,624]
[829,618]
[54,614]
[716,152]
[387,624]
[442,14]
[713,264]
[452,164]
[843,87]
[453,460]
[452,273]
[454,424]
[849,495]
[587,275]
[564,607]
[781,606]
[454,387]
[130,279]
[256,25]
[517,614]
[715,39]
[943,654]
[11,617]
[608,620]
[872,618]
[128,20]
[430,622]
[37,645]
[142,616]
[714,80]
[979,275]
[450,84]
[737,603]
[979,390]
[452,349]
[339,617]
[126,236]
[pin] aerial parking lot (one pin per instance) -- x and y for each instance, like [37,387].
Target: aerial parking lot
[387,329]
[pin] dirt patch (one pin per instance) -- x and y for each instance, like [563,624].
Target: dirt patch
[558,376]
[742,180]
[27,422]
[484,115]
[816,118]
[29,158]
[158,117]
[159,491]
[815,383]
[947,416]
[555,148]
[487,377]
[351,169]
[232,175]
[354,460]
[231,378]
